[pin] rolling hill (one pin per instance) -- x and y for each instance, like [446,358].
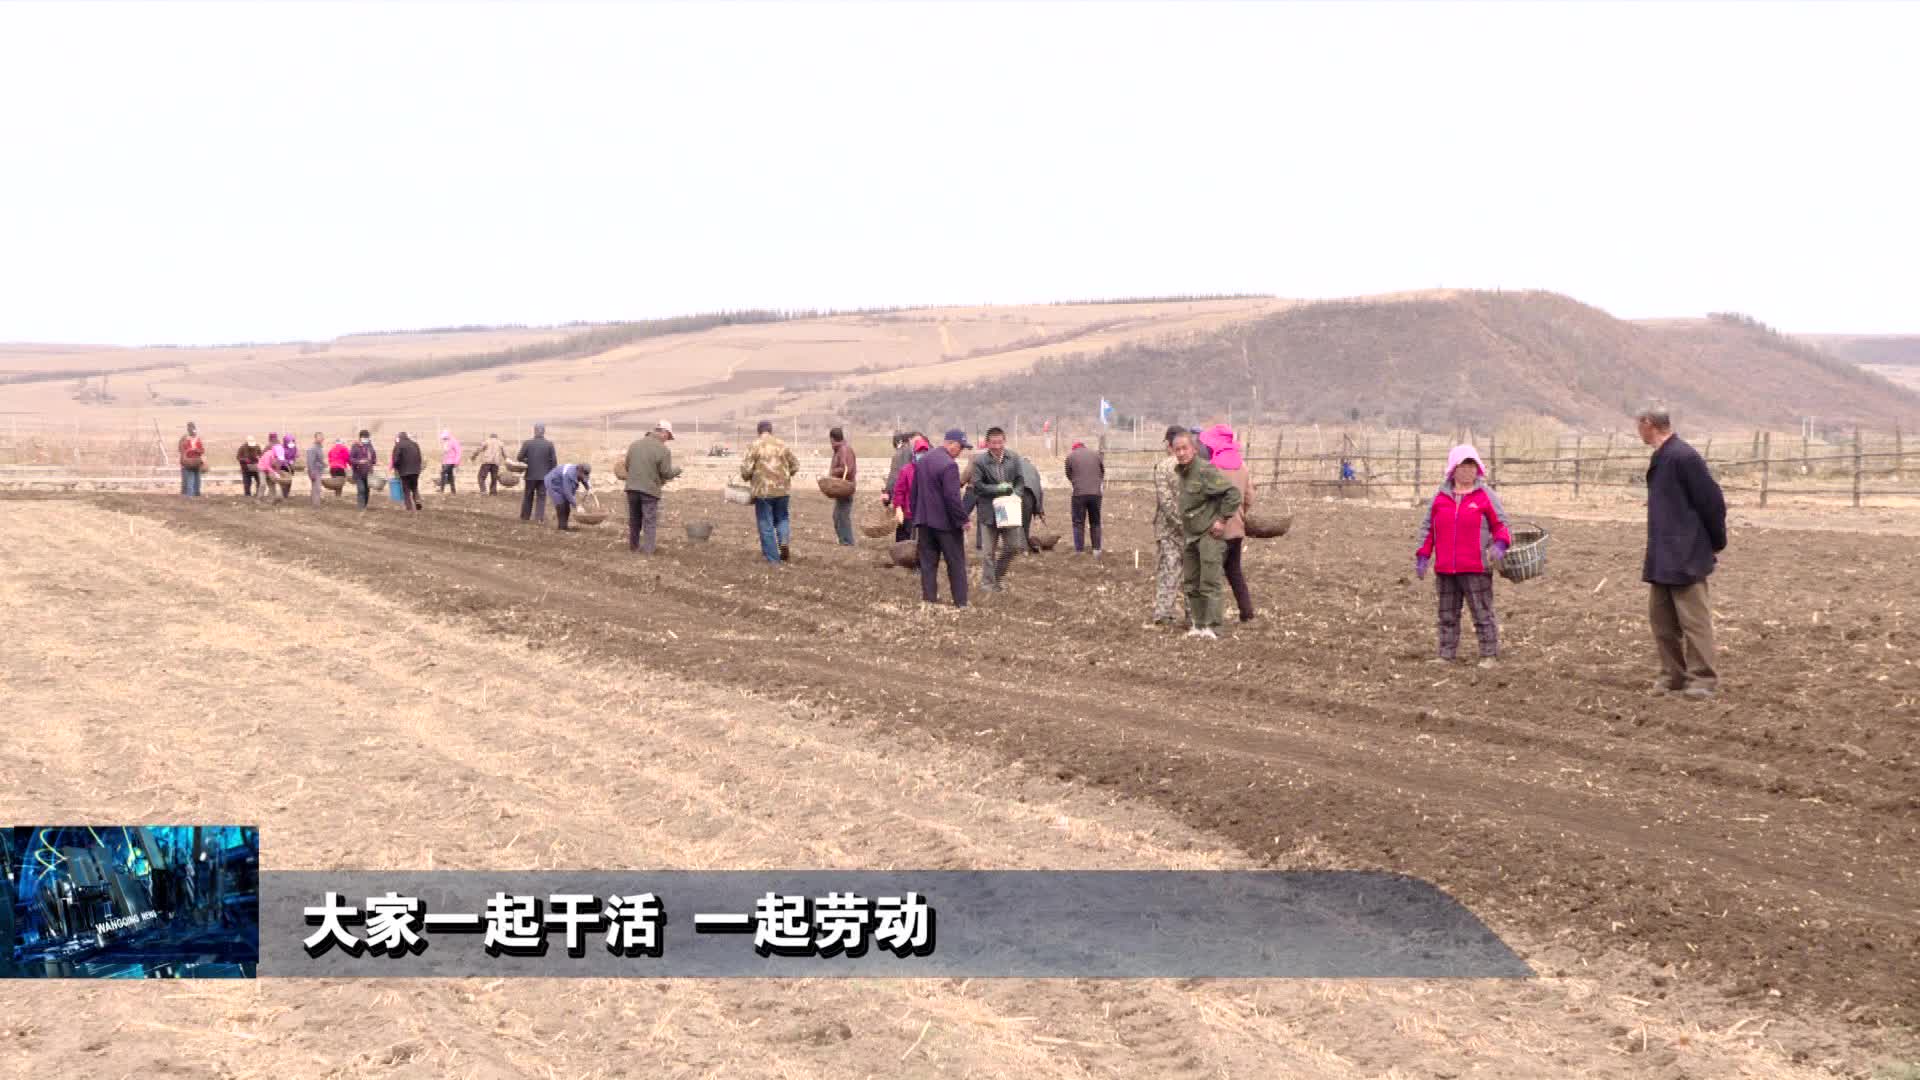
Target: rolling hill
[1433,360]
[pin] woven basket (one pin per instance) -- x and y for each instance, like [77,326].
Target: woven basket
[1527,558]
[589,517]
[1046,540]
[333,483]
[877,529]
[516,466]
[834,487]
[738,494]
[699,531]
[508,480]
[1268,526]
[904,553]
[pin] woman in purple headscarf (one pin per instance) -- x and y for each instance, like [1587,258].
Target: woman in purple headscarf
[1226,457]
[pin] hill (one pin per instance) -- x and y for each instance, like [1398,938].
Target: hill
[1435,359]
[1872,350]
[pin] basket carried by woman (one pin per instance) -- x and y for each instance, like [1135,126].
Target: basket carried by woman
[1527,558]
[874,530]
[333,483]
[835,487]
[904,553]
[1265,526]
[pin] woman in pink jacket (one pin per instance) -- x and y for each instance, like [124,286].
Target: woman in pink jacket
[902,492]
[449,459]
[1465,535]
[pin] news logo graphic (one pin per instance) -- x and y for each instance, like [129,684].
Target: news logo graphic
[130,901]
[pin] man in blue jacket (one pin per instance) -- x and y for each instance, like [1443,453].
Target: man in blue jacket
[940,519]
[1686,528]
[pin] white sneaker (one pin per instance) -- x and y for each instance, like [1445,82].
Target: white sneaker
[1207,634]
[1194,632]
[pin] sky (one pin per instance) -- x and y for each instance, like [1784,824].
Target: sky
[198,174]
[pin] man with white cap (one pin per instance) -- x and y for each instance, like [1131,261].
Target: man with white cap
[647,468]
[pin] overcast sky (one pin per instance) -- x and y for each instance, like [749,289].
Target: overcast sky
[267,171]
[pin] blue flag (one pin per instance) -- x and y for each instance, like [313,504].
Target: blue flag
[1106,412]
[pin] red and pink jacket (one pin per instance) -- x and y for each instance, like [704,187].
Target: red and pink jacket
[1461,528]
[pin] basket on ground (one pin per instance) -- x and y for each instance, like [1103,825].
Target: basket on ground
[333,483]
[834,487]
[1268,526]
[699,531]
[1527,558]
[904,553]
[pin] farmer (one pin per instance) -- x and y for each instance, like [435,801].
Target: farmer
[1207,501]
[997,475]
[563,489]
[362,458]
[902,453]
[939,518]
[540,458]
[769,468]
[449,460]
[339,460]
[1087,474]
[845,467]
[269,462]
[1686,528]
[406,463]
[902,500]
[1166,532]
[649,467]
[1030,502]
[1225,456]
[1463,537]
[492,455]
[316,465]
[193,458]
[249,459]
[288,462]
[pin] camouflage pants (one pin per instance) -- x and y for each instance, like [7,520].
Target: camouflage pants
[1166,576]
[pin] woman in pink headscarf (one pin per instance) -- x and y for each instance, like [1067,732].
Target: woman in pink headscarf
[449,459]
[1218,440]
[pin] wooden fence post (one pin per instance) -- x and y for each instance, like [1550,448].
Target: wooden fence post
[1366,467]
[1275,482]
[1899,452]
[1766,465]
[1493,460]
[1606,462]
[1579,446]
[1416,467]
[1856,467]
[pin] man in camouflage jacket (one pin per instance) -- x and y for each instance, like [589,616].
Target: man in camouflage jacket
[1166,534]
[769,469]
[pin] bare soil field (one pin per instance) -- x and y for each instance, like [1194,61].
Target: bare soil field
[1724,889]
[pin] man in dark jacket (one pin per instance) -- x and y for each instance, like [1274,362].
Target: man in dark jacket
[1087,473]
[405,460]
[997,474]
[362,458]
[540,458]
[1686,527]
[940,519]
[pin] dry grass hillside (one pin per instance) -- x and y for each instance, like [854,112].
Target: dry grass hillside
[1432,360]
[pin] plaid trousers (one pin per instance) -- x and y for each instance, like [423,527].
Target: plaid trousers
[1477,591]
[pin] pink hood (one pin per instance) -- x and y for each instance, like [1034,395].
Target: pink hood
[1219,439]
[1463,452]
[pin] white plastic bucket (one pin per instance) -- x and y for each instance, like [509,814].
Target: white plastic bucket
[1007,512]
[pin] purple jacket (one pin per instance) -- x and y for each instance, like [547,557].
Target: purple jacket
[936,491]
